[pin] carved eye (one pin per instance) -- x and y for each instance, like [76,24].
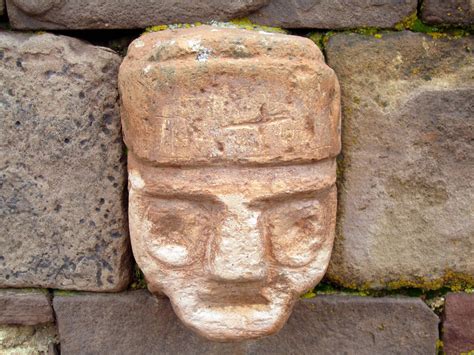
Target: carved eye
[296,231]
[178,230]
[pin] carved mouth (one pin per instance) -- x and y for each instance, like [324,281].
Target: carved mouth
[233,294]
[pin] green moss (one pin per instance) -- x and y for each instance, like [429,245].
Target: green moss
[317,37]
[414,24]
[175,26]
[439,347]
[309,294]
[243,23]
[138,281]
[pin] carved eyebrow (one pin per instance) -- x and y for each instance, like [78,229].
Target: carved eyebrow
[291,196]
[182,196]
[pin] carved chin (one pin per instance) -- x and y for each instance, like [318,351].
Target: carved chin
[231,322]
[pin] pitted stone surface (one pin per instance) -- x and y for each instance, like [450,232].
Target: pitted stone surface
[26,307]
[108,14]
[136,322]
[458,323]
[28,340]
[332,14]
[62,172]
[232,138]
[406,189]
[453,12]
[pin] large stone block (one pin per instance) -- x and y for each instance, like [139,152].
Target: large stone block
[26,307]
[406,189]
[334,14]
[127,323]
[138,323]
[458,323]
[452,12]
[62,172]
[101,14]
[355,325]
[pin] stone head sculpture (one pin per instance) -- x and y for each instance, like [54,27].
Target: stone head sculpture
[232,137]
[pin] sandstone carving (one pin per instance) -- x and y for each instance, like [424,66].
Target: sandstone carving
[100,14]
[232,136]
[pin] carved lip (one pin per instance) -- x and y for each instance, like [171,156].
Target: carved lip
[221,294]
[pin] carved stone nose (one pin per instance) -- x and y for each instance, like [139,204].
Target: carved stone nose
[237,253]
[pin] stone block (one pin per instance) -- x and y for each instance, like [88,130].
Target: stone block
[25,307]
[136,322]
[2,7]
[449,12]
[458,323]
[28,340]
[354,325]
[329,14]
[127,323]
[116,14]
[406,188]
[62,170]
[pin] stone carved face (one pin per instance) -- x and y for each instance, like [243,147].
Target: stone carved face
[232,195]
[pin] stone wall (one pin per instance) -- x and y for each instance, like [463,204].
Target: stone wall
[402,270]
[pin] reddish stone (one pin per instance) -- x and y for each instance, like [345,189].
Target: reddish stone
[30,307]
[458,325]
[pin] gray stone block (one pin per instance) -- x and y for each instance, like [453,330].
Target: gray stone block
[449,12]
[406,188]
[25,307]
[137,323]
[330,14]
[114,14]
[62,170]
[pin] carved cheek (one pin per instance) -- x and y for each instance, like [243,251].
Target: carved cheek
[177,232]
[296,231]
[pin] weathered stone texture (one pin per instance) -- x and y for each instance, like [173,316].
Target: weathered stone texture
[62,219]
[232,243]
[127,323]
[136,322]
[406,189]
[28,340]
[2,7]
[355,325]
[25,307]
[453,12]
[108,14]
[334,14]
[458,323]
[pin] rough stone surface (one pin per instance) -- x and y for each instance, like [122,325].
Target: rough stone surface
[232,243]
[355,325]
[100,14]
[453,12]
[334,14]
[28,340]
[62,219]
[25,307]
[458,323]
[2,7]
[136,322]
[406,190]
[127,323]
